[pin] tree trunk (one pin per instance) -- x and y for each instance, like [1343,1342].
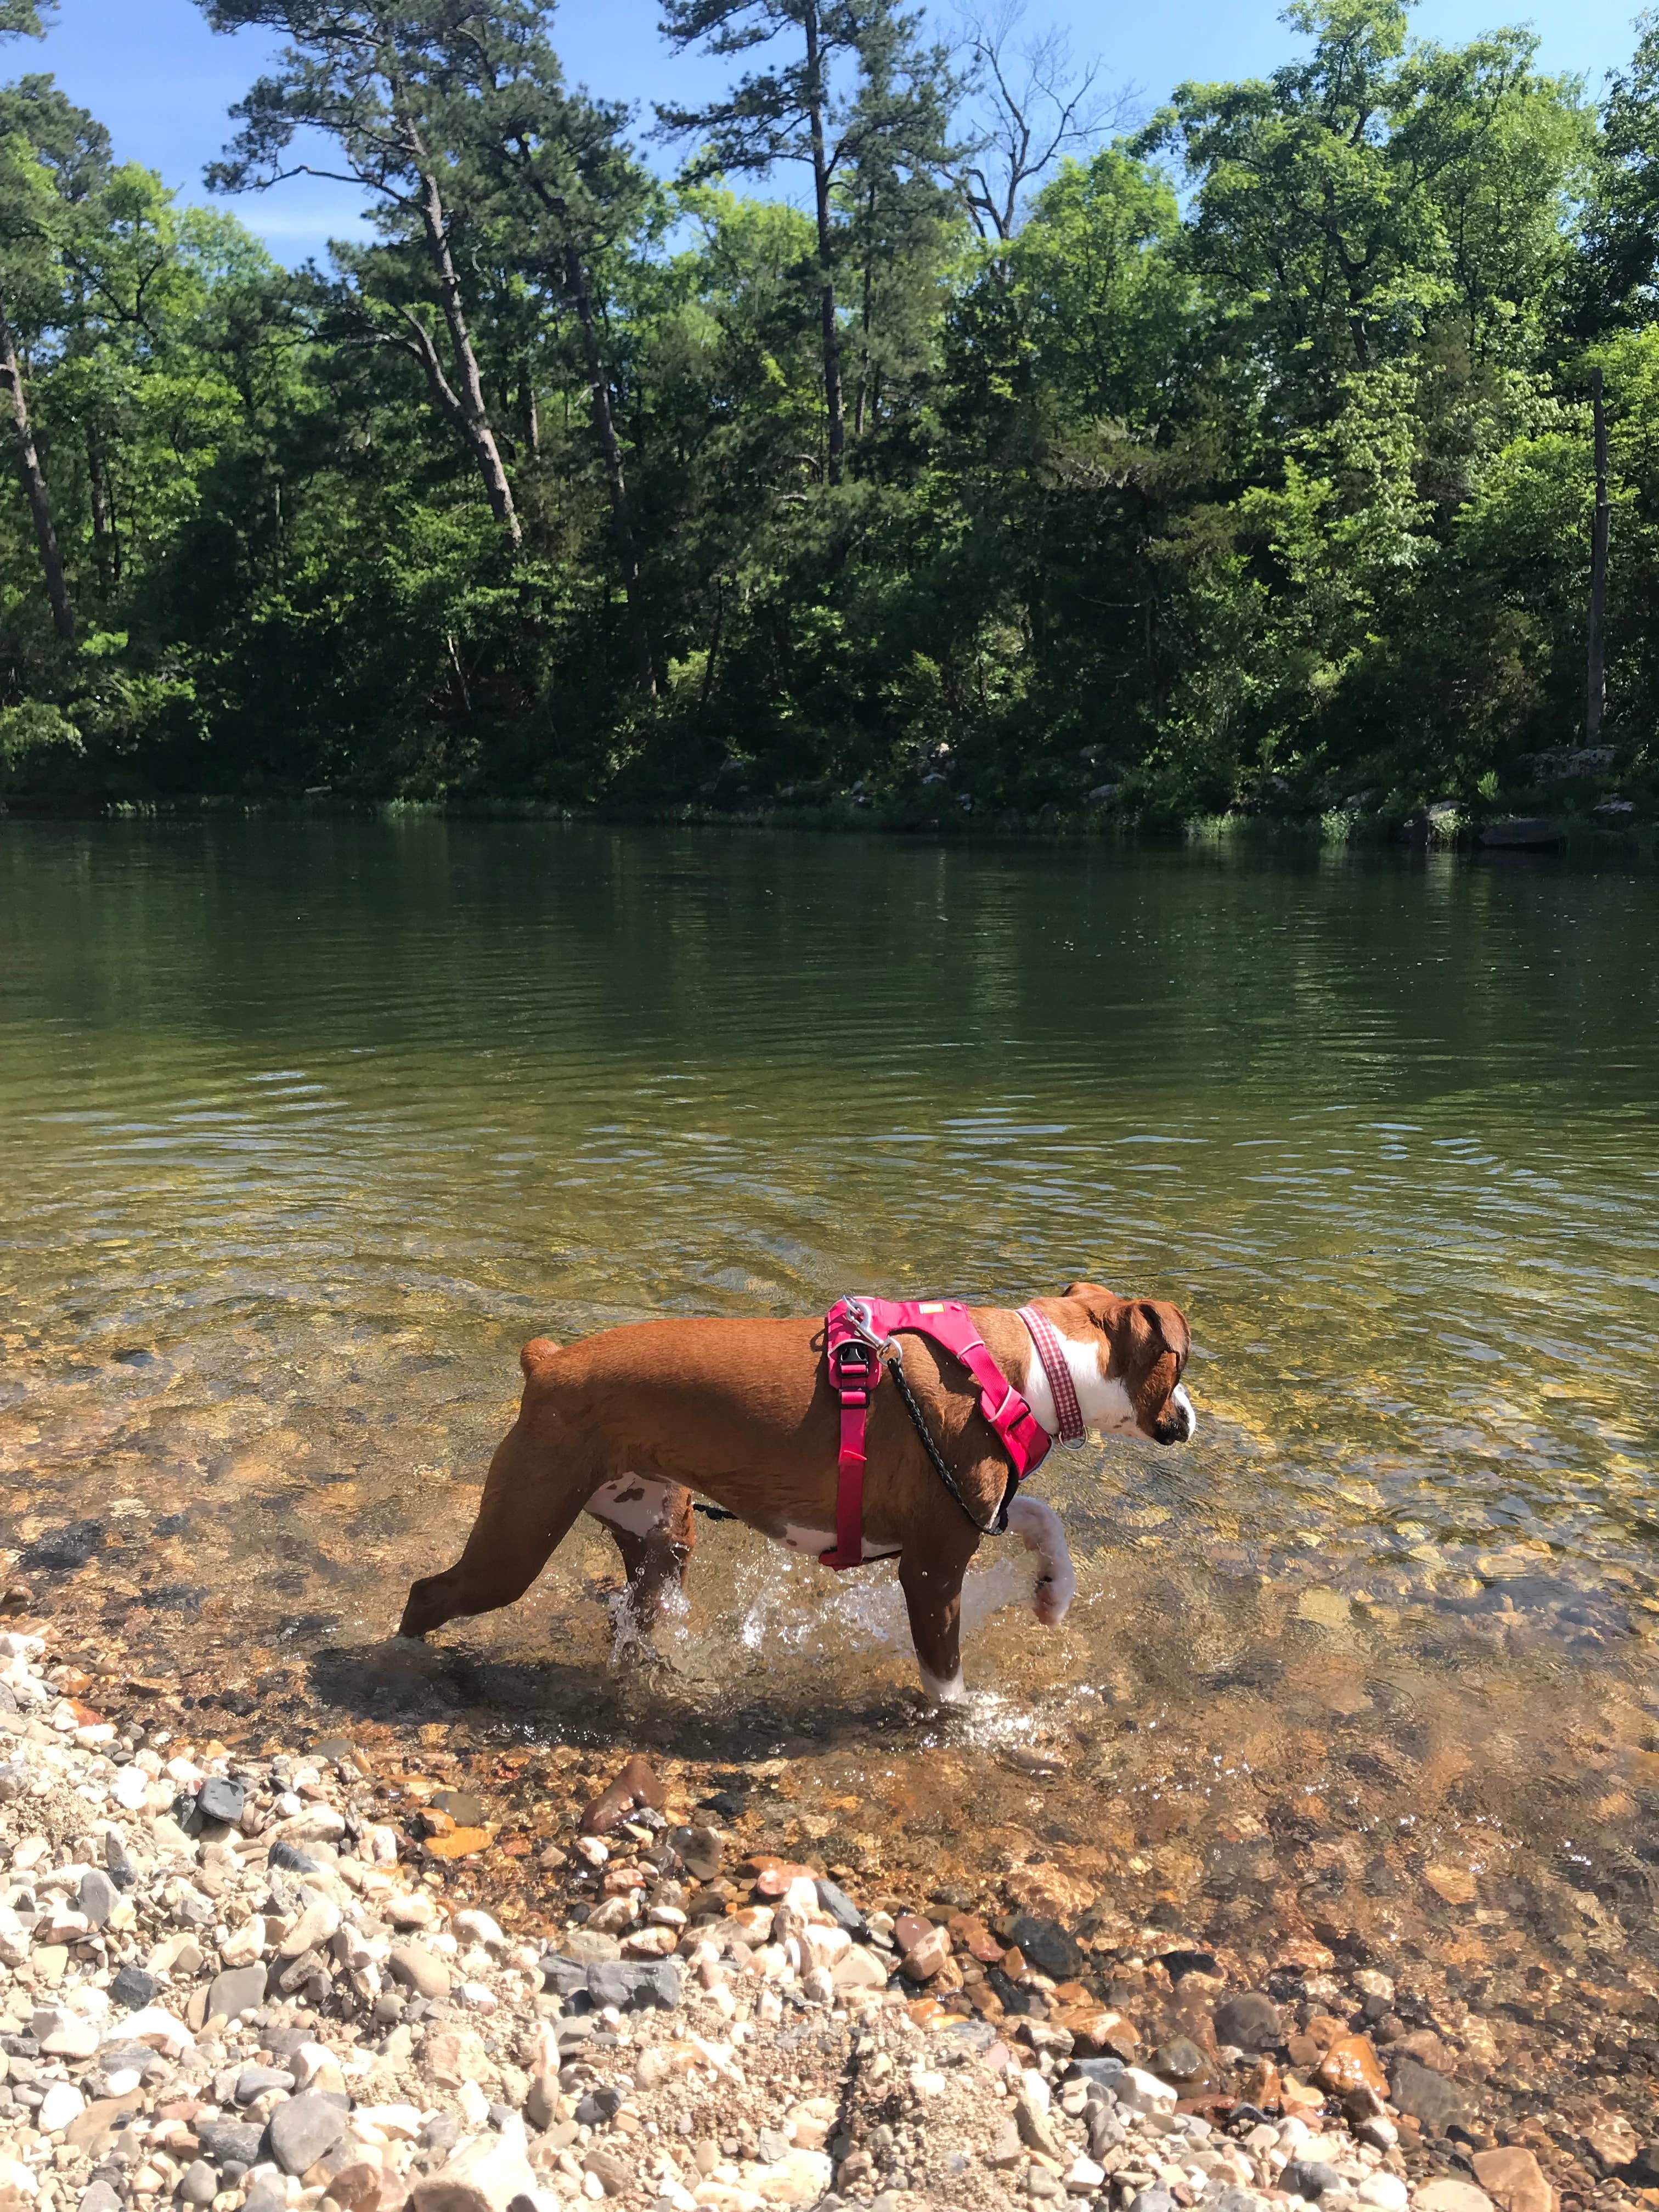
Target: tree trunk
[861,410]
[531,416]
[598,385]
[34,484]
[1596,687]
[473,417]
[106,545]
[831,327]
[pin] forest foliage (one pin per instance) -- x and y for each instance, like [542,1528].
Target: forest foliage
[916,448]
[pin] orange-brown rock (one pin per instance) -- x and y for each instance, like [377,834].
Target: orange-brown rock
[1098,2031]
[1051,1893]
[910,1928]
[773,1881]
[925,2010]
[986,2002]
[1013,1962]
[1455,1884]
[1351,2064]
[1514,2180]
[1306,1951]
[432,1822]
[1302,2097]
[970,1934]
[926,1960]
[636,1785]
[459,1844]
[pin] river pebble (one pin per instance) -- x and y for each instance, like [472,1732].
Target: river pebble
[224,2019]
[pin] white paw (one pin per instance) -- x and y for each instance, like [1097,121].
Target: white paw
[950,1691]
[1038,1526]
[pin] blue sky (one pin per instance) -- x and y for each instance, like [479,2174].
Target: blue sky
[152,71]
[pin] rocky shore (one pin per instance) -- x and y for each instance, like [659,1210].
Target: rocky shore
[275,1980]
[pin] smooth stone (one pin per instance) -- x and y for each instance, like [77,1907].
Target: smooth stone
[1386,2192]
[1447,2195]
[598,2106]
[1104,2073]
[1141,2092]
[242,1989]
[1045,1945]
[840,1907]
[133,1987]
[587,1946]
[91,2130]
[635,1986]
[1180,2059]
[418,1969]
[927,1957]
[230,2142]
[289,1858]
[220,1800]
[637,1784]
[200,2184]
[258,2080]
[1427,2096]
[1249,2021]
[98,1896]
[303,2129]
[1152,2200]
[1514,2180]
[100,2197]
[62,2103]
[465,1810]
[482,2175]
[612,2173]
[1310,2178]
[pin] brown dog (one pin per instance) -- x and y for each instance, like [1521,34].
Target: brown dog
[626,1425]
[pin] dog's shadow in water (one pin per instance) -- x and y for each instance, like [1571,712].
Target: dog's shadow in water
[640,1703]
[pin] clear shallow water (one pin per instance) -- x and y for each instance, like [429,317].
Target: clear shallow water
[305,1128]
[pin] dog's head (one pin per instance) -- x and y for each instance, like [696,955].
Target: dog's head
[1145,1353]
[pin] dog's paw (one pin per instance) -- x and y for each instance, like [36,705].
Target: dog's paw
[1050,1601]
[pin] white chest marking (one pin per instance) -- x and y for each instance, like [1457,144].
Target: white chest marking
[1103,1405]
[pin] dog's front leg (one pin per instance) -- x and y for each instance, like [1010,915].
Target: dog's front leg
[1038,1526]
[933,1593]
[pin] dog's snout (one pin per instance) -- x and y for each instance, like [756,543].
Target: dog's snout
[1178,1423]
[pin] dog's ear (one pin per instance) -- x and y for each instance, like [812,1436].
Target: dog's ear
[1086,1290]
[1167,1326]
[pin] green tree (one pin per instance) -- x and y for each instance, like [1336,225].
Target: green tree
[370,76]
[1617,278]
[804,111]
[45,146]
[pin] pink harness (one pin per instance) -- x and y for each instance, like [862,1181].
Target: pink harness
[858,1331]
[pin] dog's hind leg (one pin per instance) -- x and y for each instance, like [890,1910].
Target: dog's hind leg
[537,1484]
[652,1525]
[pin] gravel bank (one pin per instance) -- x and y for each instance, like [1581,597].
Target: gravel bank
[231,1980]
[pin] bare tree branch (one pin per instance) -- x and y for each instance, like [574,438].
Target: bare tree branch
[1032,103]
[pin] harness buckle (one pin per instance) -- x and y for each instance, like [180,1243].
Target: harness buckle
[854,1369]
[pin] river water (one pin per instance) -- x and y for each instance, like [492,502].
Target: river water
[305,1128]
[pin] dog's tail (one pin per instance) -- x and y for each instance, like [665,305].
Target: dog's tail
[535,1352]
